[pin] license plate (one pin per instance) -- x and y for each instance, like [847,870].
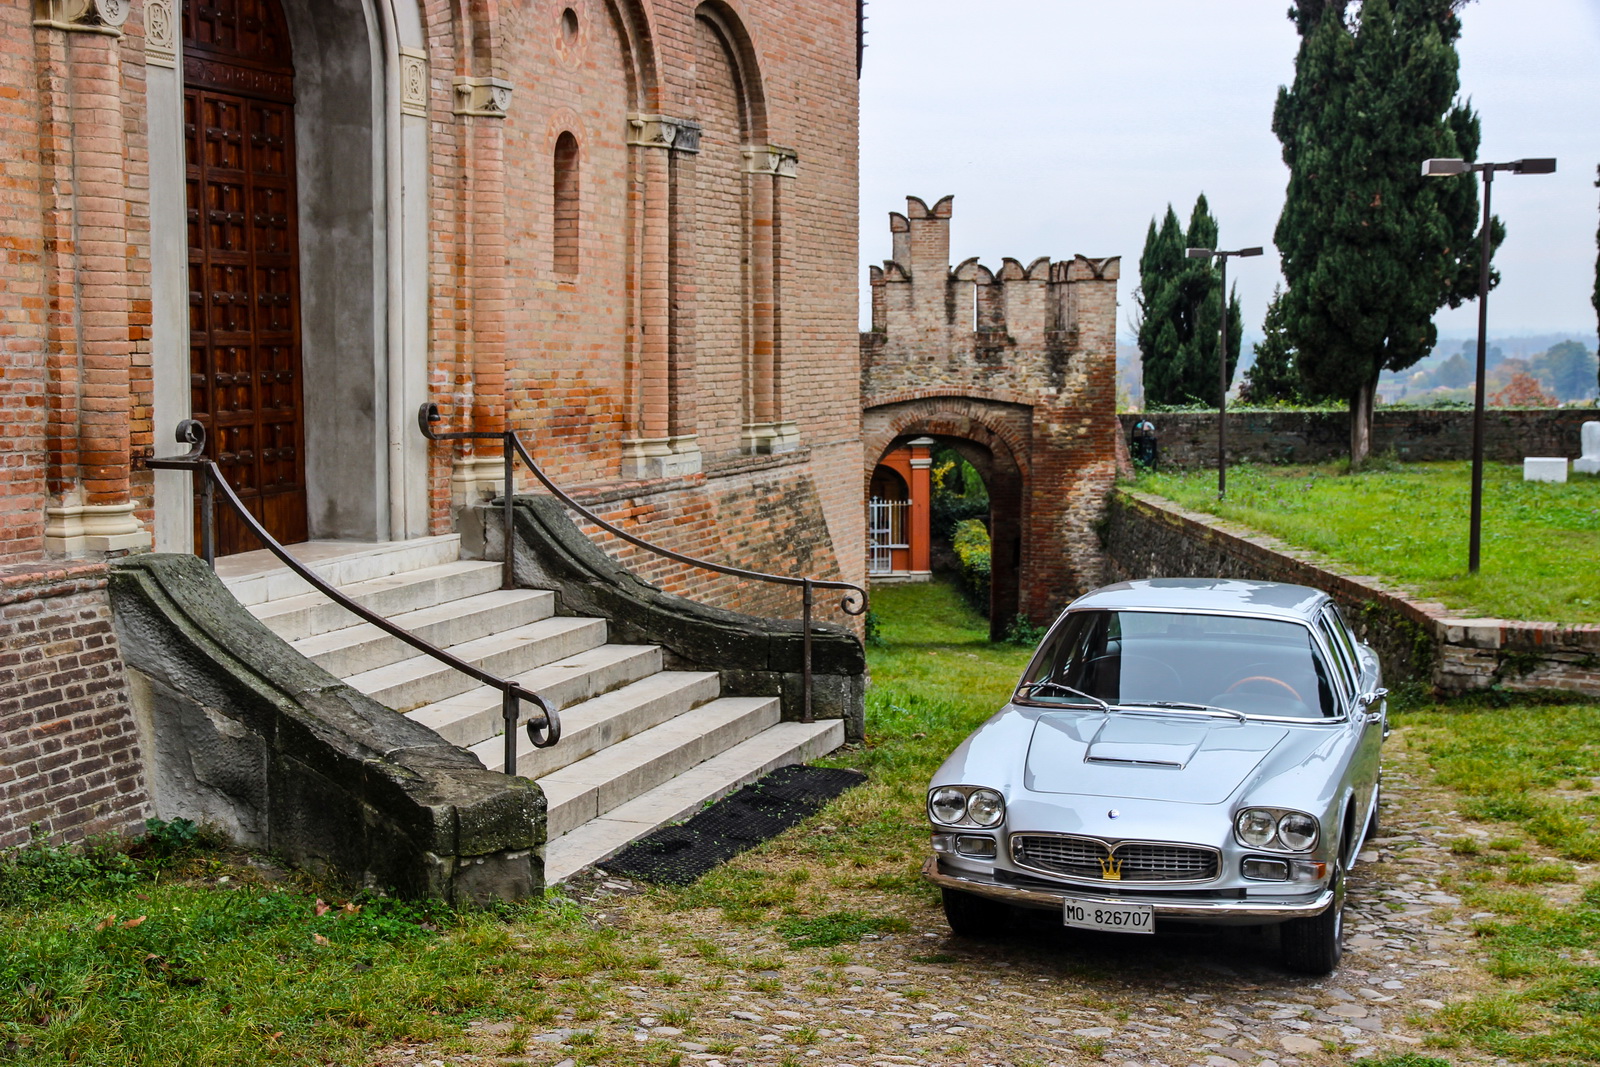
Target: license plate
[1121,918]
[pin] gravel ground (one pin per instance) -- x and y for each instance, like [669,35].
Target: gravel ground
[1042,996]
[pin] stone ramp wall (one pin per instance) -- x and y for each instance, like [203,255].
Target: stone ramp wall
[1148,537]
[243,732]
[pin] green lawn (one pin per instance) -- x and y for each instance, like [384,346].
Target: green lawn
[1531,772]
[1408,522]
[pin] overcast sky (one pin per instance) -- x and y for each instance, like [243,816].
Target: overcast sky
[1062,126]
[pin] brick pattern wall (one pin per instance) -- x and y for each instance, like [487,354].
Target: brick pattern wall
[1417,640]
[1189,439]
[69,750]
[1021,363]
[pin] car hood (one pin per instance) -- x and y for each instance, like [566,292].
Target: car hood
[1180,758]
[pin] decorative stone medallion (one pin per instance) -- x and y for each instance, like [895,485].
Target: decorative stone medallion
[160,34]
[414,83]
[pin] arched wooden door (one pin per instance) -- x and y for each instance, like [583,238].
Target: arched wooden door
[244,278]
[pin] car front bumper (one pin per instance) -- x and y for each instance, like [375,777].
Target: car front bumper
[1244,912]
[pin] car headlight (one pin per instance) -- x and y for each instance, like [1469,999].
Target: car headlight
[1256,827]
[947,805]
[985,807]
[1297,831]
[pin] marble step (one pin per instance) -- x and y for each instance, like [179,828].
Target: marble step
[257,577]
[308,614]
[472,719]
[778,746]
[418,680]
[591,787]
[364,647]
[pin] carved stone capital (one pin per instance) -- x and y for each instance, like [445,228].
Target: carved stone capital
[414,83]
[776,160]
[160,33]
[659,131]
[88,529]
[488,97]
[648,458]
[82,16]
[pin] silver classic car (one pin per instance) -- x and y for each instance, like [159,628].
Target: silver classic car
[1188,750]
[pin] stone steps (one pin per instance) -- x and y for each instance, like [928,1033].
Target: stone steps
[641,746]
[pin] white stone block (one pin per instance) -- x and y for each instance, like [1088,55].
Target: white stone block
[1544,469]
[1589,462]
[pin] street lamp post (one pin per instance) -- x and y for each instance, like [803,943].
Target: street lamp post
[1222,360]
[1445,168]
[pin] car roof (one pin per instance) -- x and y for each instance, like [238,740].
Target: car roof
[1222,595]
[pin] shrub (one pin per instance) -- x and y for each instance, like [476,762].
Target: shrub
[971,542]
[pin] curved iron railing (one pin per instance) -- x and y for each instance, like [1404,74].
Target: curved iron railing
[192,433]
[854,602]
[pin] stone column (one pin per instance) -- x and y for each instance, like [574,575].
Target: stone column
[89,361]
[480,107]
[662,440]
[766,431]
[919,533]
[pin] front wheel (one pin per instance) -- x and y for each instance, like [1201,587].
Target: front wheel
[1314,945]
[974,917]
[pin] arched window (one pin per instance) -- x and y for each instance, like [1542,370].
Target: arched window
[565,216]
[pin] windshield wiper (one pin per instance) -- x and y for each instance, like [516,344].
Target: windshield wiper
[1181,706]
[1031,686]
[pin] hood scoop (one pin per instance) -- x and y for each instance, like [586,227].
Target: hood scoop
[1144,742]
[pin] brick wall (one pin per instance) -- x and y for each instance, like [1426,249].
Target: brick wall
[1016,366]
[69,750]
[1417,640]
[1189,438]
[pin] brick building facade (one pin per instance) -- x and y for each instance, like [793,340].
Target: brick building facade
[1016,370]
[616,226]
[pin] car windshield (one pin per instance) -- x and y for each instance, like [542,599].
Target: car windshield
[1248,665]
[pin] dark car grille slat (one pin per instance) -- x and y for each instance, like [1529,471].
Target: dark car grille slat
[1082,857]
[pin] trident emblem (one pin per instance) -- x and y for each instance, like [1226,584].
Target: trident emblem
[1111,869]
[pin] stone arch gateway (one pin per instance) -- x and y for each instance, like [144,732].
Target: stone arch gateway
[1015,369]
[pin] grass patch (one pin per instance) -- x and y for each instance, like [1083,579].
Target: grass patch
[1512,765]
[837,927]
[1408,522]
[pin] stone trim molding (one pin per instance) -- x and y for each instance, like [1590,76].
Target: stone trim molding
[160,33]
[771,159]
[474,479]
[659,131]
[414,83]
[85,529]
[483,97]
[648,458]
[83,16]
[769,438]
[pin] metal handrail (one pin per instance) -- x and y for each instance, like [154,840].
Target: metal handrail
[854,602]
[193,434]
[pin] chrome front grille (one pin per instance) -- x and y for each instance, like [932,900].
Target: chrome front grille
[1092,859]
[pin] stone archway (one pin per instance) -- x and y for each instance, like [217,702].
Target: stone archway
[993,437]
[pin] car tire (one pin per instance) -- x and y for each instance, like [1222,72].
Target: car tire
[1314,945]
[974,917]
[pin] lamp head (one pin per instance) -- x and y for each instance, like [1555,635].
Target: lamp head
[1534,166]
[1249,251]
[1444,168]
[1199,253]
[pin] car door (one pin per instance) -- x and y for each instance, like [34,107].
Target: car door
[1366,722]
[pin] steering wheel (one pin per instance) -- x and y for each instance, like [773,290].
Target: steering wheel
[1270,681]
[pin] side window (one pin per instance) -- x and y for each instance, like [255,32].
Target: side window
[1343,667]
[1347,640]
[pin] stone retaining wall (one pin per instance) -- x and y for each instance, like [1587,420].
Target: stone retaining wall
[1147,537]
[1189,438]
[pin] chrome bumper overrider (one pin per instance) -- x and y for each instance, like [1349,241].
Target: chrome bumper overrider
[1193,909]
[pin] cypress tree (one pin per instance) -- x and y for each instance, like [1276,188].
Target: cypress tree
[1179,310]
[1273,375]
[1371,249]
[1596,298]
